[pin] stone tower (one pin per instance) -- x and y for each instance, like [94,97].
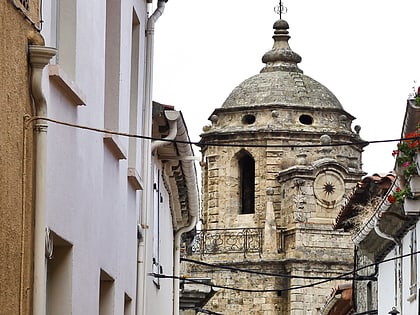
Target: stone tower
[274,180]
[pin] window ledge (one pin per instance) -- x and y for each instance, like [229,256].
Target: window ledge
[412,297]
[111,141]
[134,179]
[69,87]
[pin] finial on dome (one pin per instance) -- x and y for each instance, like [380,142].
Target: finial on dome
[281,57]
[279,9]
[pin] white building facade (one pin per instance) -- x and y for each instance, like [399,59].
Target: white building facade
[390,237]
[398,281]
[112,210]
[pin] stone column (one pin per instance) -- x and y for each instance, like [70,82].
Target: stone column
[270,246]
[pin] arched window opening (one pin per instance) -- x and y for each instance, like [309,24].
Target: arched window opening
[246,183]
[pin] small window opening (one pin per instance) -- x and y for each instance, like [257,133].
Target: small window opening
[247,183]
[106,294]
[59,277]
[248,119]
[127,304]
[306,119]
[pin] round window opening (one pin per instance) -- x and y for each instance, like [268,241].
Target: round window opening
[306,119]
[248,119]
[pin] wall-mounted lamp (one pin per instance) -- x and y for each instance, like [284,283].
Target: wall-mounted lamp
[394,311]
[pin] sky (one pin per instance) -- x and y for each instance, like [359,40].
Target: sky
[367,52]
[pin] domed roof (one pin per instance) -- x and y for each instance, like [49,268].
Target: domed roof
[281,82]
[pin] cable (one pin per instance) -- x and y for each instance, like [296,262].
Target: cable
[202,310]
[339,277]
[258,272]
[203,143]
[186,279]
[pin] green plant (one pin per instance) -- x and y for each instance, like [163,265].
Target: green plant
[399,195]
[406,154]
[417,96]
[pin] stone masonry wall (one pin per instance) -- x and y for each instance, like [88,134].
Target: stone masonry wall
[308,246]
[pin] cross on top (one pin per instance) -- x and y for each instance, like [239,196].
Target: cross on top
[279,9]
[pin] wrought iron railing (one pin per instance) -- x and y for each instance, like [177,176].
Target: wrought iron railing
[220,241]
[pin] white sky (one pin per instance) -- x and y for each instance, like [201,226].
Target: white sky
[367,52]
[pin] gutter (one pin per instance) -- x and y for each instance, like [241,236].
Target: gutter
[147,169]
[39,57]
[374,221]
[172,116]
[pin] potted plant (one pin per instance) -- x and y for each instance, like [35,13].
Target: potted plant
[399,195]
[407,163]
[407,155]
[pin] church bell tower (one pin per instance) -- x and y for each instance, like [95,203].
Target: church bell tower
[279,158]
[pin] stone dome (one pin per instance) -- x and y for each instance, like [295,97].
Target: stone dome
[281,82]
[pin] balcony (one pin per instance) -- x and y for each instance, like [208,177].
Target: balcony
[227,241]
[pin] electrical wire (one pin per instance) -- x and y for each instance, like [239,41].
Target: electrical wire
[262,273]
[186,279]
[204,143]
[204,311]
[339,277]
[372,312]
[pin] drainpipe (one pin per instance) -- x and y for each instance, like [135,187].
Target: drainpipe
[384,235]
[147,167]
[383,209]
[172,117]
[39,57]
[185,150]
[373,223]
[177,257]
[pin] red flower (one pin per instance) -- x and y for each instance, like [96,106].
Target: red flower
[411,137]
[406,164]
[395,153]
[398,189]
[413,144]
[391,198]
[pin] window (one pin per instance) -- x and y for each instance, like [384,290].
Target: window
[112,65]
[115,115]
[106,294]
[127,305]
[64,16]
[306,119]
[59,278]
[413,263]
[248,119]
[369,296]
[158,199]
[246,165]
[135,127]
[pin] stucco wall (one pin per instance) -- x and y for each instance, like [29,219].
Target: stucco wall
[90,202]
[16,160]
